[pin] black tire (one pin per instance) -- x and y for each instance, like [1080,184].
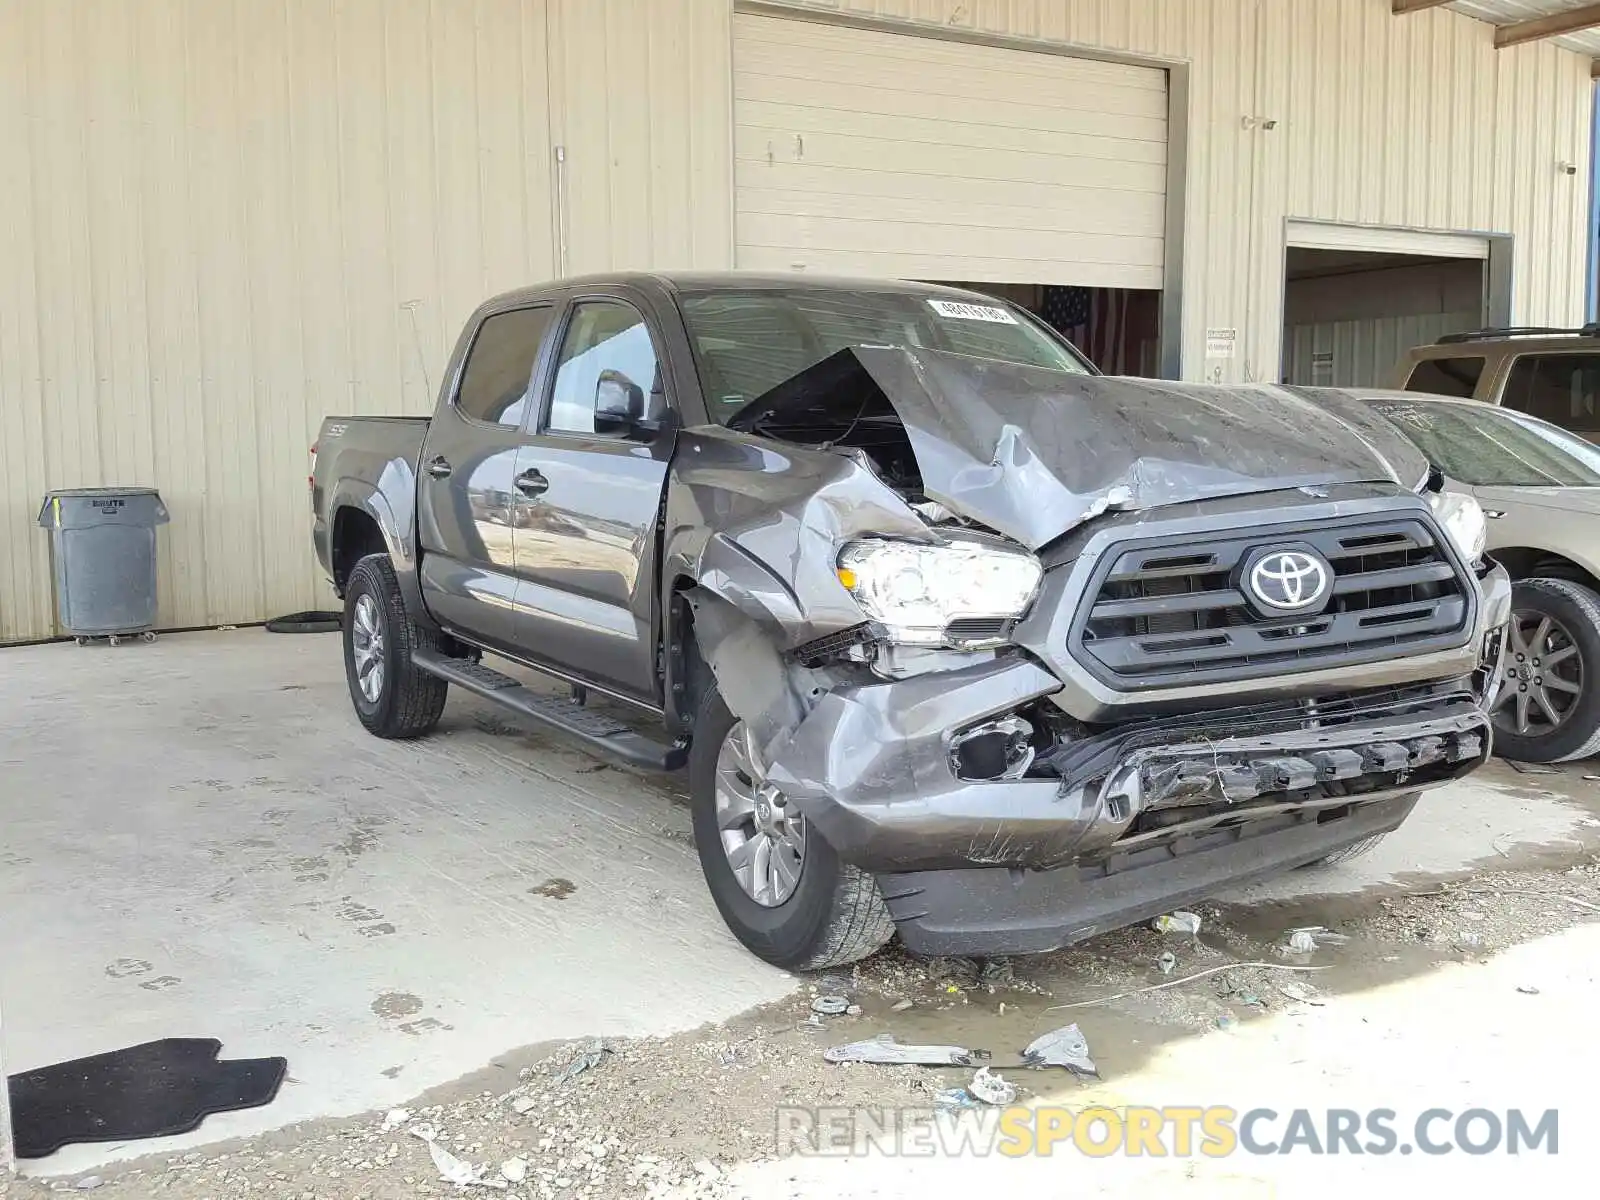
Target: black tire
[1354,850]
[410,701]
[1574,612]
[835,916]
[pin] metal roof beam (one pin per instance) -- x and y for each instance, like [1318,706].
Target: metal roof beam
[1401,7]
[1554,25]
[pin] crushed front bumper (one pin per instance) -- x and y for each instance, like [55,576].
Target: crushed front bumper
[989,911]
[1121,823]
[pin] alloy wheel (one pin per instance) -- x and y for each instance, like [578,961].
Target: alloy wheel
[366,644]
[1541,676]
[763,836]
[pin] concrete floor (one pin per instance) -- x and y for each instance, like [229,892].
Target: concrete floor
[199,840]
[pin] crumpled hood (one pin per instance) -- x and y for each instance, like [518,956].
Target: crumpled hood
[1032,453]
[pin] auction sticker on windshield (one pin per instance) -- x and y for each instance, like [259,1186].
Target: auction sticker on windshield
[972,312]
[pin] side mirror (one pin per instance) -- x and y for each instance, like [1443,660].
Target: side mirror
[619,406]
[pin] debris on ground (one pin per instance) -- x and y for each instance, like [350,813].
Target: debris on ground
[1309,937]
[964,971]
[830,1006]
[395,1118]
[853,1010]
[452,1169]
[1167,961]
[1064,1047]
[996,972]
[903,1005]
[1528,991]
[589,1058]
[1295,992]
[1525,768]
[953,1099]
[88,1183]
[1179,982]
[884,1049]
[991,1088]
[1177,922]
[514,1170]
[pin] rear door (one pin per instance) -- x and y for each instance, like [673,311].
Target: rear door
[469,505]
[1560,387]
[587,552]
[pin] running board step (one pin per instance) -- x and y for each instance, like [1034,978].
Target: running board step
[600,733]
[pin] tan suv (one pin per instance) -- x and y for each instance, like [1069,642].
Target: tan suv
[1552,374]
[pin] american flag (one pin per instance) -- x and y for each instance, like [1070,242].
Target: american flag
[1095,320]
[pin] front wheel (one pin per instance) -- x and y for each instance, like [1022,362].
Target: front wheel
[1547,708]
[780,887]
[1354,850]
[392,697]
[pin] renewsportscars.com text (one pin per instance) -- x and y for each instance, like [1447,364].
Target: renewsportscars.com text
[1175,1131]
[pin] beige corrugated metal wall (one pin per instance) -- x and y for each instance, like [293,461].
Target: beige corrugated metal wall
[214,210]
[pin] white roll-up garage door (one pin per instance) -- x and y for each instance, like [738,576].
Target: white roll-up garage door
[869,153]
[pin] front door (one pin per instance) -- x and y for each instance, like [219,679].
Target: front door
[587,550]
[469,505]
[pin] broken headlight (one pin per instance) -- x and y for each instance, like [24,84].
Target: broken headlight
[914,591]
[1463,520]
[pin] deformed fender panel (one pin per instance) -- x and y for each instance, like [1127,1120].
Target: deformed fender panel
[749,670]
[759,525]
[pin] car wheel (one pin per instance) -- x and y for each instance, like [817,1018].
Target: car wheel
[780,887]
[1547,708]
[1354,850]
[392,698]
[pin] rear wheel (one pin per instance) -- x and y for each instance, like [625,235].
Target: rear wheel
[392,697]
[1547,708]
[780,887]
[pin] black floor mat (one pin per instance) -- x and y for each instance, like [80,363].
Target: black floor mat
[153,1090]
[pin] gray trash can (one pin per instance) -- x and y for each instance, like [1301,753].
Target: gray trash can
[105,559]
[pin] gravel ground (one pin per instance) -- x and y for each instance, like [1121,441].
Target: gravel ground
[667,1117]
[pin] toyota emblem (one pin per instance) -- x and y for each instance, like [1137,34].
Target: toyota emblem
[1290,580]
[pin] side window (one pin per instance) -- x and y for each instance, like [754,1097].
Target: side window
[498,377]
[1560,388]
[1447,376]
[607,362]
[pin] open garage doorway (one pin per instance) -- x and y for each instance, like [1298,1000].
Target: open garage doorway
[1117,329]
[1357,299]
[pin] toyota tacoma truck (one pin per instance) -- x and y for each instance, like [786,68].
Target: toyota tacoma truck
[954,636]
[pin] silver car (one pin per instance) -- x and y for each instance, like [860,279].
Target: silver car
[1540,487]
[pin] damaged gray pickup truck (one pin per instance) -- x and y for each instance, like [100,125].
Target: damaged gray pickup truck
[955,636]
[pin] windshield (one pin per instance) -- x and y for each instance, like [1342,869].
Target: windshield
[748,342]
[1486,446]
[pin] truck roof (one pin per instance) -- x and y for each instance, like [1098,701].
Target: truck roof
[694,281]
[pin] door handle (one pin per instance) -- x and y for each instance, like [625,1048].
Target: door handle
[532,482]
[439,467]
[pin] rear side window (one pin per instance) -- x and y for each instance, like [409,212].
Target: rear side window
[1559,388]
[496,385]
[1447,377]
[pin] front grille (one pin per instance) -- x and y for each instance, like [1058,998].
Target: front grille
[1170,611]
